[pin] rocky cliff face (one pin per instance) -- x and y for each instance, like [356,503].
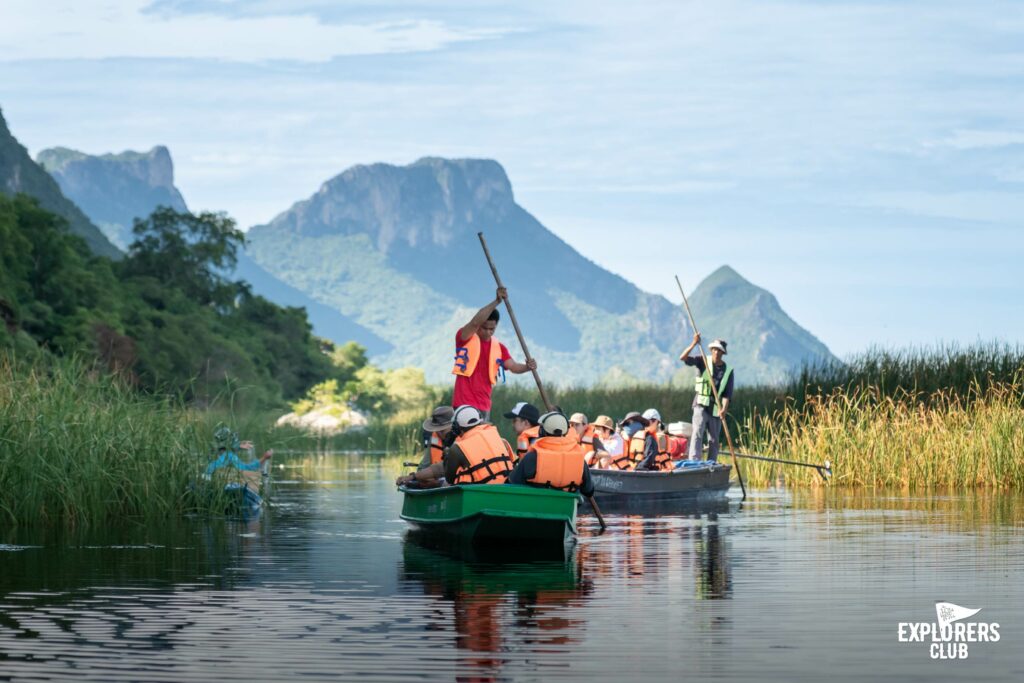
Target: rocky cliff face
[115,189]
[19,174]
[395,249]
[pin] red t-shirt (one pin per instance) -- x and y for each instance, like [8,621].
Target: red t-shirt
[475,390]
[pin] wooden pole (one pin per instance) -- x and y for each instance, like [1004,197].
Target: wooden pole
[714,390]
[526,352]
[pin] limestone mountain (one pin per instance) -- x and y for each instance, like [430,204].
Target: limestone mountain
[115,189]
[19,174]
[395,249]
[761,336]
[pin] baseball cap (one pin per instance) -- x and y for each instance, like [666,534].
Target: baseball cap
[554,424]
[526,411]
[579,418]
[466,417]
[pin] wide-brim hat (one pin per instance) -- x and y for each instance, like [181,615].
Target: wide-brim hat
[720,345]
[652,414]
[604,421]
[440,419]
[635,417]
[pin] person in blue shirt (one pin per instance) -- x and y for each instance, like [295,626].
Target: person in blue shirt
[228,446]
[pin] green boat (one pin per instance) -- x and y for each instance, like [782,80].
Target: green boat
[492,513]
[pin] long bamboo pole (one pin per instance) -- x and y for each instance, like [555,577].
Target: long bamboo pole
[526,352]
[714,390]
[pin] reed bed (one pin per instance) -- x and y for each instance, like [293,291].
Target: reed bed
[906,440]
[80,448]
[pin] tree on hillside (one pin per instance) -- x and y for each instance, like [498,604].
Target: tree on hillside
[188,252]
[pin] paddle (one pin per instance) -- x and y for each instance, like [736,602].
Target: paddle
[526,352]
[825,469]
[714,390]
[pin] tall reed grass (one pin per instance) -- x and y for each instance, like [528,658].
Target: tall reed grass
[905,440]
[79,448]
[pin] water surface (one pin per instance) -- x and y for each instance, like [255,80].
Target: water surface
[328,585]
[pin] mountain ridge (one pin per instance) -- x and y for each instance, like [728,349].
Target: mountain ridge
[388,256]
[20,174]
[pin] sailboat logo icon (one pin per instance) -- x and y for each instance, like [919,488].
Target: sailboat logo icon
[947,613]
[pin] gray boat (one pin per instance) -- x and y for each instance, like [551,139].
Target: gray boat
[705,482]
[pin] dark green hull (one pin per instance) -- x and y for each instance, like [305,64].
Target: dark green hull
[492,513]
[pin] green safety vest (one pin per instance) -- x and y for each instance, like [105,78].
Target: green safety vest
[705,396]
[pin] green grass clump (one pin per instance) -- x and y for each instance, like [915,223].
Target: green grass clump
[78,447]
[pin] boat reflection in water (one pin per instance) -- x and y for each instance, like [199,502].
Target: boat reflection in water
[511,606]
[507,604]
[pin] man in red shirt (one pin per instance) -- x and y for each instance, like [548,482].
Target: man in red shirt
[480,359]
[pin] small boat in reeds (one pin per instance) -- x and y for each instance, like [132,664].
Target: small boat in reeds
[492,513]
[697,482]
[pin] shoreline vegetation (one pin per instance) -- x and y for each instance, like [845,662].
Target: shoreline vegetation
[935,417]
[80,446]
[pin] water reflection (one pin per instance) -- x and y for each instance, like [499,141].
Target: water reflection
[502,607]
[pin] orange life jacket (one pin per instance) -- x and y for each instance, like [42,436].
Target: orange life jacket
[662,461]
[628,458]
[436,449]
[525,440]
[489,456]
[559,463]
[586,440]
[466,358]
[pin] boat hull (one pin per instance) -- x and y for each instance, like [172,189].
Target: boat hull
[485,513]
[623,488]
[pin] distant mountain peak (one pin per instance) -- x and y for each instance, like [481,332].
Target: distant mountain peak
[115,189]
[431,201]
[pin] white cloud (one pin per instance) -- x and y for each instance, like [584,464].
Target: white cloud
[71,29]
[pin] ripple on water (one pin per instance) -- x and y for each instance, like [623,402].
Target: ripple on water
[328,586]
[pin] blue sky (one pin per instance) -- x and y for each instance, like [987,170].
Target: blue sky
[864,161]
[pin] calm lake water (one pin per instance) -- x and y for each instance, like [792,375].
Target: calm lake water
[326,585]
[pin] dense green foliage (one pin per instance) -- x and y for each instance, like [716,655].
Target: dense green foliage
[81,448]
[19,174]
[164,317]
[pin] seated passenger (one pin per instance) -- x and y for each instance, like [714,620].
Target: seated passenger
[436,431]
[524,418]
[585,437]
[555,460]
[632,423]
[478,455]
[611,442]
[227,445]
[652,443]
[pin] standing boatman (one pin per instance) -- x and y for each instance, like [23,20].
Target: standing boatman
[480,359]
[706,417]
